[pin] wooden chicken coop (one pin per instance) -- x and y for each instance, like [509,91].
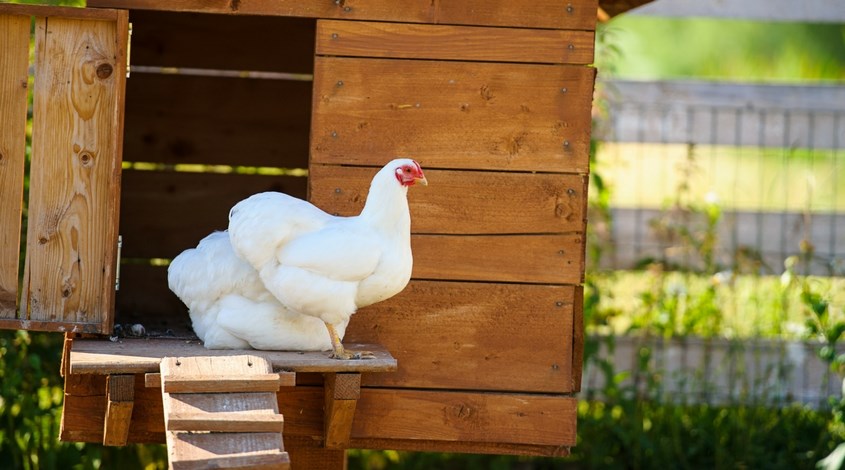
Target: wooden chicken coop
[480,353]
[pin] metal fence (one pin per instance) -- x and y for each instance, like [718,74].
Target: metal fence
[770,158]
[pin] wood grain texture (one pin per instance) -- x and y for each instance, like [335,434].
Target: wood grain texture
[135,356]
[409,41]
[173,39]
[473,336]
[542,259]
[464,202]
[120,400]
[472,115]
[341,397]
[471,417]
[74,180]
[178,209]
[556,14]
[412,419]
[200,410]
[211,120]
[14,61]
[63,12]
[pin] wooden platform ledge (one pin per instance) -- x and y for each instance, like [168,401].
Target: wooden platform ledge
[155,357]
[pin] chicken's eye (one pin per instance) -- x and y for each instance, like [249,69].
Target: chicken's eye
[407,170]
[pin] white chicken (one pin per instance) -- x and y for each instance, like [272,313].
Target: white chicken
[286,272]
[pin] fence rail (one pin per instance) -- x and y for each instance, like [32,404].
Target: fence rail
[771,154]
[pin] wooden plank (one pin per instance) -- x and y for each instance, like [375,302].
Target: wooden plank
[492,422]
[228,450]
[404,41]
[226,421]
[185,119]
[178,209]
[14,62]
[216,383]
[308,453]
[63,12]
[465,202]
[135,356]
[285,379]
[341,396]
[459,416]
[514,117]
[542,259]
[490,336]
[74,180]
[578,338]
[557,14]
[120,399]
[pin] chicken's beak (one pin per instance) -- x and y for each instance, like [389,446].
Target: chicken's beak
[421,180]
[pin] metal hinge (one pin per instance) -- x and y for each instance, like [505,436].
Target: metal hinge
[128,50]
[117,267]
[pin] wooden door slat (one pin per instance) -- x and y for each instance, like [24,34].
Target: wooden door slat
[75,174]
[472,115]
[487,336]
[465,202]
[372,39]
[14,62]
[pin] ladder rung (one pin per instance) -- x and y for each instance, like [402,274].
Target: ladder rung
[278,460]
[220,384]
[232,421]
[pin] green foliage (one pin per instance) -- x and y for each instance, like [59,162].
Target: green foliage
[31,398]
[722,49]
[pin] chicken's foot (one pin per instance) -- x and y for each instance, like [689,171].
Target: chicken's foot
[339,352]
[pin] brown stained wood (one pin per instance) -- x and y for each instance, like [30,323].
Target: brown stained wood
[64,12]
[173,39]
[138,356]
[465,416]
[14,61]
[209,120]
[177,210]
[74,180]
[217,383]
[541,259]
[307,453]
[464,202]
[341,396]
[556,14]
[408,41]
[120,400]
[470,115]
[492,422]
[578,339]
[473,336]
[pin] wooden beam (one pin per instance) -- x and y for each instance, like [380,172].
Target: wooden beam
[153,379]
[341,397]
[14,61]
[222,421]
[120,399]
[213,383]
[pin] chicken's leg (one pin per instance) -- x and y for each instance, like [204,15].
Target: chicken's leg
[338,351]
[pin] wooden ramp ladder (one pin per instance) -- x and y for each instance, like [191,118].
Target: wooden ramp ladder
[222,412]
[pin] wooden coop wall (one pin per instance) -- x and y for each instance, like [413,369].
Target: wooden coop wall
[493,99]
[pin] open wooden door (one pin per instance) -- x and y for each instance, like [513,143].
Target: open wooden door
[71,219]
